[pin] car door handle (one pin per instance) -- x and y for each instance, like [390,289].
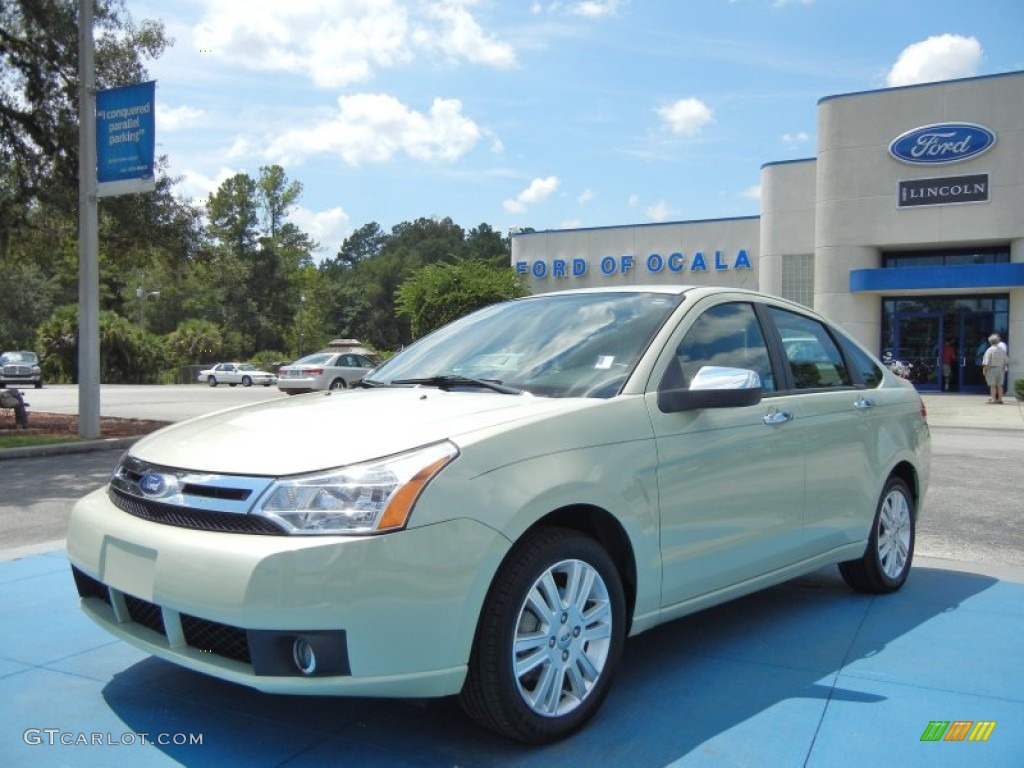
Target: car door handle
[774,417]
[864,404]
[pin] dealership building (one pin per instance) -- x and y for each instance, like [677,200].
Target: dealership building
[907,229]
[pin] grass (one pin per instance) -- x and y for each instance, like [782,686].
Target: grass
[22,441]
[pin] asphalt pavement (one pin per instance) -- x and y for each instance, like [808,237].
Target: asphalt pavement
[804,674]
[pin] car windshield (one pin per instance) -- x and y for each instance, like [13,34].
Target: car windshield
[28,358]
[556,345]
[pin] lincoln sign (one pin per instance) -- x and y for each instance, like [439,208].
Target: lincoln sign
[947,191]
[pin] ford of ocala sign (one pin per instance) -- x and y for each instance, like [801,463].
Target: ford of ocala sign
[942,143]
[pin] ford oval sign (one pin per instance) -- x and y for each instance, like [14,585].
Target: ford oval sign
[942,143]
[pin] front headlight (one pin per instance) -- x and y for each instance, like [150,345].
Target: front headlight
[362,498]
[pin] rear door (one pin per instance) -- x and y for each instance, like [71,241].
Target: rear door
[836,422]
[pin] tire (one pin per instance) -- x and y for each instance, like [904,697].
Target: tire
[338,384]
[39,384]
[246,381]
[567,654]
[212,381]
[886,562]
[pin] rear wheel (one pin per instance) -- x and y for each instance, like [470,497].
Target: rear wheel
[246,381]
[337,384]
[550,638]
[886,562]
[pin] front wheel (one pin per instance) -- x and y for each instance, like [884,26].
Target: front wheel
[549,640]
[246,381]
[886,562]
[212,381]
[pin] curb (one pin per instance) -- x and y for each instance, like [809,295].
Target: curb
[61,449]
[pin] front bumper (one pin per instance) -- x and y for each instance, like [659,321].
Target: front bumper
[390,615]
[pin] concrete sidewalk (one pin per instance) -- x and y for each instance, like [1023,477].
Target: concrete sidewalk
[955,410]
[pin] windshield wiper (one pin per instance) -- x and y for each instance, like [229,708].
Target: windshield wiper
[365,383]
[447,381]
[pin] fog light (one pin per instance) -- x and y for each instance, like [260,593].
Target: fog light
[303,656]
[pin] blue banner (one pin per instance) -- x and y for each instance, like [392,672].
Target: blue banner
[126,133]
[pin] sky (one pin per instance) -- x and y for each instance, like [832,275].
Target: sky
[526,113]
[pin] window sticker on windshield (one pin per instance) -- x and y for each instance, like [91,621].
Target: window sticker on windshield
[604,362]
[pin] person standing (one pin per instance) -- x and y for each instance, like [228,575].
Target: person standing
[948,357]
[993,365]
[1006,368]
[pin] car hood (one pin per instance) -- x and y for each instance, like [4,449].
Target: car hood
[331,429]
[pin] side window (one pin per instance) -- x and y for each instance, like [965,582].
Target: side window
[866,366]
[727,335]
[814,358]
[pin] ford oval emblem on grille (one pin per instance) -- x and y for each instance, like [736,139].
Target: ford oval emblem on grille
[154,483]
[942,143]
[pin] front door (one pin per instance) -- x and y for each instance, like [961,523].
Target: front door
[920,346]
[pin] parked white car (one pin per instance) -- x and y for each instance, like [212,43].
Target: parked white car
[323,370]
[493,511]
[231,374]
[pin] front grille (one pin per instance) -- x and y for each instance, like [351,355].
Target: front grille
[87,586]
[214,637]
[201,634]
[196,519]
[145,613]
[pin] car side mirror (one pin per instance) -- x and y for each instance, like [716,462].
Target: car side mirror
[714,387]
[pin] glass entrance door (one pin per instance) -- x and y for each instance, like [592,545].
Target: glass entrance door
[943,338]
[975,328]
[919,346]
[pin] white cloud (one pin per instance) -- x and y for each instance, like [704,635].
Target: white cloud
[596,9]
[176,118]
[336,43]
[329,228]
[660,211]
[941,57]
[754,192]
[538,191]
[199,187]
[585,197]
[793,139]
[686,117]
[374,128]
[461,36]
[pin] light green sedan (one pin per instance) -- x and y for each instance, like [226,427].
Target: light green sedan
[493,511]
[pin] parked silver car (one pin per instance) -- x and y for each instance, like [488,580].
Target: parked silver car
[323,370]
[493,511]
[20,367]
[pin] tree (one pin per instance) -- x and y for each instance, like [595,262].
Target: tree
[39,97]
[436,294]
[128,355]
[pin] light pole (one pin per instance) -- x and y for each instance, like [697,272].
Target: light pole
[302,305]
[142,295]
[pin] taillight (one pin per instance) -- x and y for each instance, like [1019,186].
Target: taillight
[924,408]
[312,371]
